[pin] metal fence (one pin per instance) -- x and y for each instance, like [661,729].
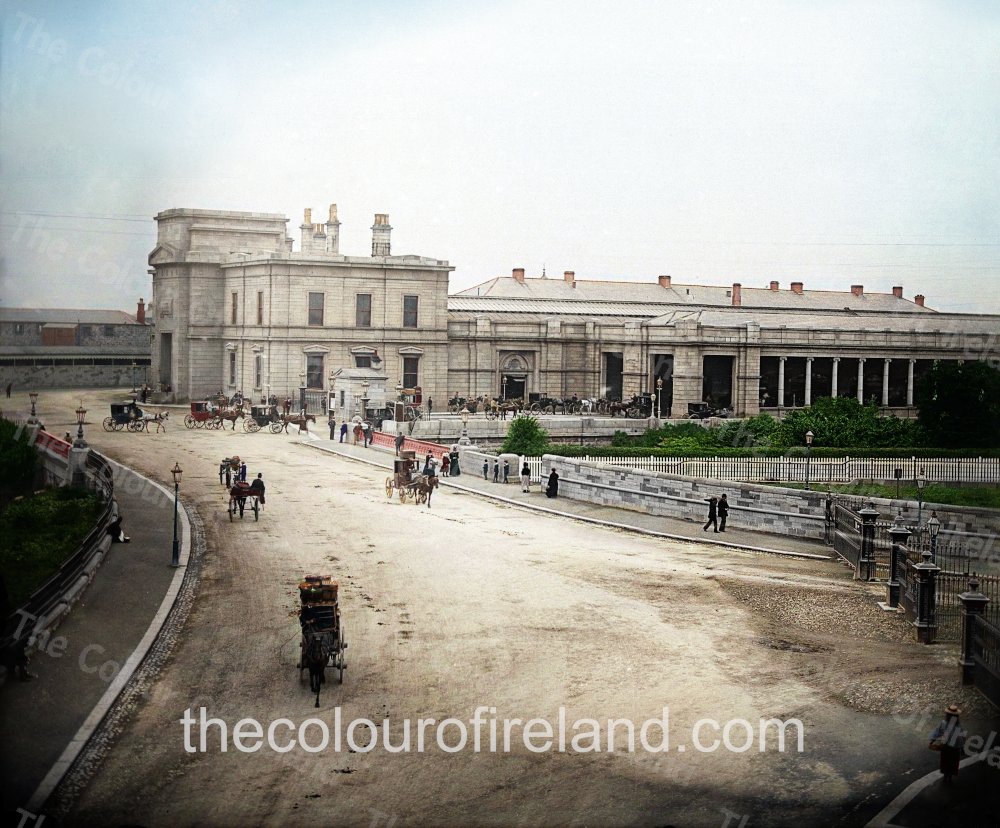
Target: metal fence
[846,534]
[985,652]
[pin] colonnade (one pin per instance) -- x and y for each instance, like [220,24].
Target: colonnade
[886,362]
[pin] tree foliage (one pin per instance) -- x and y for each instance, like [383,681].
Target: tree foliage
[18,459]
[959,404]
[525,436]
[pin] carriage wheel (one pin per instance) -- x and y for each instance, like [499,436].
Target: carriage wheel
[634,413]
[215,422]
[340,666]
[135,425]
[119,426]
[275,428]
[535,408]
[108,424]
[188,421]
[549,409]
[402,494]
[420,497]
[388,487]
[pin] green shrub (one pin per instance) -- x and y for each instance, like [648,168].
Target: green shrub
[525,436]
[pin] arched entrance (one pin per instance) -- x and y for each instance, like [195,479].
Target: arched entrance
[513,379]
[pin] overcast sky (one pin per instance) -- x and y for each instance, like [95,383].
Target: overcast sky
[832,143]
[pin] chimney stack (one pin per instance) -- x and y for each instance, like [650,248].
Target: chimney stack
[774,286]
[737,294]
[664,281]
[898,292]
[519,274]
[333,232]
[140,312]
[570,276]
[797,288]
[858,290]
[918,300]
[380,235]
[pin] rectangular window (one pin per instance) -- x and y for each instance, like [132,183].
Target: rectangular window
[232,366]
[342,393]
[362,361]
[109,330]
[410,371]
[235,305]
[19,328]
[315,308]
[363,311]
[258,370]
[410,312]
[260,307]
[314,370]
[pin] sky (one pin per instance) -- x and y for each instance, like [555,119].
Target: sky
[832,143]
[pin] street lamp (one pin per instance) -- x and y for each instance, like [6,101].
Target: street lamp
[503,385]
[934,526]
[464,414]
[659,392]
[81,415]
[399,391]
[302,391]
[175,558]
[133,376]
[921,482]
[33,396]
[809,446]
[364,399]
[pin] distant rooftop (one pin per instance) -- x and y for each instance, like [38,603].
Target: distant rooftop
[67,316]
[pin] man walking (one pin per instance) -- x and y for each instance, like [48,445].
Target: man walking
[333,428]
[723,513]
[496,471]
[712,521]
[506,470]
[343,431]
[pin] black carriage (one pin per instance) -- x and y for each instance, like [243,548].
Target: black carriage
[203,415]
[703,410]
[124,415]
[263,416]
[323,642]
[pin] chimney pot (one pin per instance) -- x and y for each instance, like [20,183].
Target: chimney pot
[570,276]
[774,286]
[897,292]
[307,217]
[858,290]
[140,312]
[737,294]
[664,281]
[519,274]
[919,300]
[797,287]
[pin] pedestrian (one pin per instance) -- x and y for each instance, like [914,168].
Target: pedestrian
[287,406]
[430,405]
[723,513]
[69,439]
[454,470]
[368,433]
[229,475]
[358,433]
[142,396]
[333,428]
[506,470]
[243,472]
[949,739]
[552,489]
[496,471]
[9,386]
[116,532]
[343,431]
[713,521]
[525,477]
[400,439]
[445,465]
[486,470]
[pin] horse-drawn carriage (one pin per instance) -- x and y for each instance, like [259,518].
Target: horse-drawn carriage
[323,642]
[203,415]
[408,482]
[243,495]
[262,416]
[124,415]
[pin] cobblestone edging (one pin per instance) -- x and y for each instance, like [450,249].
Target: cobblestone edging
[60,803]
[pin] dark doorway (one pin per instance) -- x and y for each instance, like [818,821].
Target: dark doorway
[717,386]
[513,388]
[663,370]
[613,367]
[166,360]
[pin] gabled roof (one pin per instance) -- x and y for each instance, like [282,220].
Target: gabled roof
[68,316]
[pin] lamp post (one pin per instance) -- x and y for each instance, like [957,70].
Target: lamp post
[302,391]
[809,446]
[659,393]
[464,439]
[81,415]
[503,387]
[934,526]
[175,557]
[921,482]
[133,377]
[33,396]
[364,399]
[399,391]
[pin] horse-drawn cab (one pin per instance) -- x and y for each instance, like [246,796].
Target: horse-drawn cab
[323,642]
[203,415]
[262,416]
[124,415]
[408,481]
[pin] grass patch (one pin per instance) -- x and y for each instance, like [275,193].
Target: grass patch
[39,532]
[984,496]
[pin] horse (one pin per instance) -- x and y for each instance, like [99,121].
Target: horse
[315,655]
[425,485]
[231,414]
[160,419]
[296,419]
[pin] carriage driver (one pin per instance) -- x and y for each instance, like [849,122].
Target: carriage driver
[428,470]
[257,488]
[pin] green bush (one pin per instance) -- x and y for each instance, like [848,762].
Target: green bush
[18,459]
[525,436]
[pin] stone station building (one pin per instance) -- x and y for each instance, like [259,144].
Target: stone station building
[236,308]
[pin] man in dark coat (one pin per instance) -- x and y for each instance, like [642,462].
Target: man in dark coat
[713,517]
[552,489]
[723,513]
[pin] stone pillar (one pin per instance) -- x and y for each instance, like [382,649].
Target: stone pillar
[76,469]
[926,623]
[885,382]
[900,535]
[861,380]
[909,383]
[809,380]
[781,382]
[973,606]
[833,378]
[866,558]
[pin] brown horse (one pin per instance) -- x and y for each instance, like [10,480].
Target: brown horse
[231,414]
[425,484]
[299,420]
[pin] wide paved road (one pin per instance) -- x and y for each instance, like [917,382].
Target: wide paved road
[474,604]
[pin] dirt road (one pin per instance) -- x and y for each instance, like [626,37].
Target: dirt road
[472,604]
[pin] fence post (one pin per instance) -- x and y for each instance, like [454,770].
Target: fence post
[866,560]
[973,607]
[925,622]
[900,535]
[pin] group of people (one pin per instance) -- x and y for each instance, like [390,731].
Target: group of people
[718,512]
[362,432]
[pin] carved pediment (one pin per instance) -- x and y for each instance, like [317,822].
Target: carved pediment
[315,349]
[162,253]
[411,350]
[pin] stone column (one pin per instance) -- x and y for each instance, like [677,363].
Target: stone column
[926,622]
[866,557]
[900,535]
[885,382]
[809,380]
[833,378]
[861,380]
[781,382]
[909,382]
[973,606]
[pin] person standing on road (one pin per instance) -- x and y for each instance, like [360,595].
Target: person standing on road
[486,470]
[454,469]
[333,429]
[243,472]
[506,470]
[496,471]
[552,489]
[723,513]
[525,477]
[949,738]
[713,519]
